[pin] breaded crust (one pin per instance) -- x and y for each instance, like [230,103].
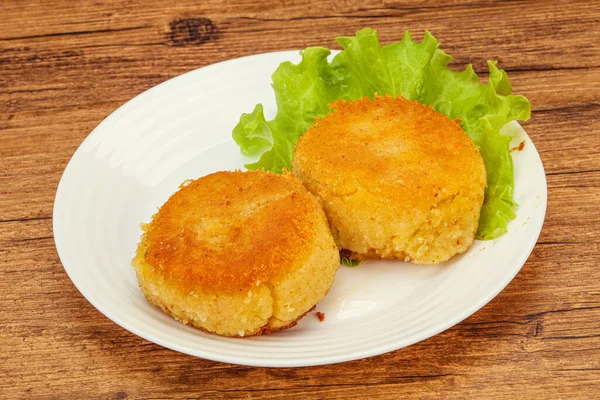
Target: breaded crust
[238,253]
[398,180]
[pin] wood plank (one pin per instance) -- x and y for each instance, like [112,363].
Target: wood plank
[526,317]
[63,69]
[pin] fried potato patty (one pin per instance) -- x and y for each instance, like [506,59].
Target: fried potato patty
[398,180]
[238,253]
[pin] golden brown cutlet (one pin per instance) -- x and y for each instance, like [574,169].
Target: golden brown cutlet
[398,180]
[238,253]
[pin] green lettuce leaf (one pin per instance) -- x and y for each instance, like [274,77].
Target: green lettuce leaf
[416,71]
[349,262]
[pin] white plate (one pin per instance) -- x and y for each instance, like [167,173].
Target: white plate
[136,158]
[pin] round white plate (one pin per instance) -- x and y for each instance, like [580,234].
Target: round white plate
[181,129]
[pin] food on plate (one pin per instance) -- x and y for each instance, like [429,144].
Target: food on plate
[398,179]
[238,253]
[416,71]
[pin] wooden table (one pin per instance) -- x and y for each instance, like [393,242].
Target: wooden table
[64,66]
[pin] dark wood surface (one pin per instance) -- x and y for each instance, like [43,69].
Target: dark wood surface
[64,66]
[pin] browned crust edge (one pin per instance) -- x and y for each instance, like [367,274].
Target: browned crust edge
[264,330]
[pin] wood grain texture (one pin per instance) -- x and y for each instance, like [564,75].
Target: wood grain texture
[65,67]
